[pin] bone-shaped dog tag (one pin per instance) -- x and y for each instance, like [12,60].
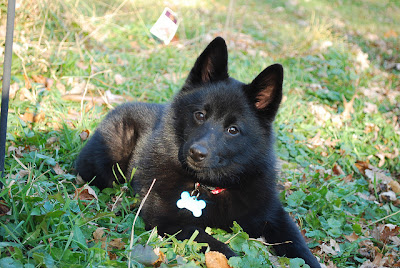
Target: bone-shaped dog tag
[191,203]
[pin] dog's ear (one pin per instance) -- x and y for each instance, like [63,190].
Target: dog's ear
[210,66]
[265,92]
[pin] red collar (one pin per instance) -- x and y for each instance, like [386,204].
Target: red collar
[213,190]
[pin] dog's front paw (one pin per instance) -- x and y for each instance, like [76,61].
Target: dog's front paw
[226,250]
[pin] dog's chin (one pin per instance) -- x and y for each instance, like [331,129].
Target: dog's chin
[213,176]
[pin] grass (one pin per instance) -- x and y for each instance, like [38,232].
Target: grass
[331,51]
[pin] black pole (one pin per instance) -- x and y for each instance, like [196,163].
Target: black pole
[6,83]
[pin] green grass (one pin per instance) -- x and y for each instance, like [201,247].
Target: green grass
[323,46]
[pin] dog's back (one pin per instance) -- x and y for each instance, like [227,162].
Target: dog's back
[115,141]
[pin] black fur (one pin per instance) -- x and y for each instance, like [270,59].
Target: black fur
[216,131]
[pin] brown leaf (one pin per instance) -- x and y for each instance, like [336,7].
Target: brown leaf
[98,237]
[348,107]
[13,90]
[384,231]
[17,151]
[117,243]
[25,94]
[161,257]
[85,193]
[4,209]
[216,259]
[390,33]
[333,248]
[58,170]
[377,260]
[23,172]
[388,196]
[84,135]
[79,180]
[39,79]
[28,84]
[51,140]
[337,170]
[39,117]
[112,255]
[27,117]
[78,88]
[372,172]
[362,166]
[321,114]
[395,186]
[348,178]
[49,83]
[353,237]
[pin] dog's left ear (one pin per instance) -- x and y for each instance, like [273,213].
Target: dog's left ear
[265,92]
[210,66]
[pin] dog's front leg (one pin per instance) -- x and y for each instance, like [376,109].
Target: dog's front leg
[202,237]
[281,231]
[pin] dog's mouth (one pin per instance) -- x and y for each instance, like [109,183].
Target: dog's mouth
[216,176]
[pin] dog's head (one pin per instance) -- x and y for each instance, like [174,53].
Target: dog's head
[223,125]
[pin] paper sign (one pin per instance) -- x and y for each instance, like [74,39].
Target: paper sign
[166,26]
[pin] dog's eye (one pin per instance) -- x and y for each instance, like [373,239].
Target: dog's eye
[233,130]
[200,116]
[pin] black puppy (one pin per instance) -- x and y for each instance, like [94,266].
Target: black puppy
[211,151]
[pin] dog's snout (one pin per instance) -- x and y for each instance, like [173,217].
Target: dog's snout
[198,152]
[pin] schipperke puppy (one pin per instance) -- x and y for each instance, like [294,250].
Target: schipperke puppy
[211,151]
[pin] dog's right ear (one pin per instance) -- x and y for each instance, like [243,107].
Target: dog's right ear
[210,66]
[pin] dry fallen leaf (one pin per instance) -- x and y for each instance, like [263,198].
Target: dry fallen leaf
[13,90]
[119,79]
[370,108]
[25,94]
[79,180]
[28,84]
[85,193]
[321,115]
[395,186]
[112,255]
[78,88]
[23,172]
[17,151]
[98,237]
[112,98]
[49,83]
[27,117]
[84,135]
[51,140]
[58,170]
[383,232]
[39,79]
[390,33]
[216,259]
[348,108]
[39,117]
[388,196]
[337,170]
[353,237]
[117,243]
[161,257]
[4,209]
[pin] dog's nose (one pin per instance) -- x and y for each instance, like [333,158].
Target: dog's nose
[197,152]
